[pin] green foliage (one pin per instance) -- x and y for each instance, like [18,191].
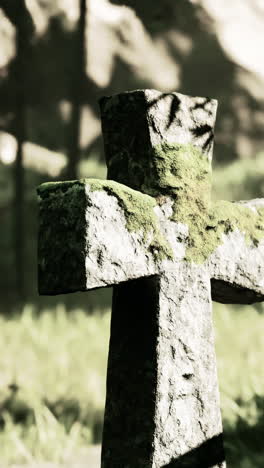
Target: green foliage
[241,180]
[239,345]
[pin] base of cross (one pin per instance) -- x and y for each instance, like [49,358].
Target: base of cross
[162,407]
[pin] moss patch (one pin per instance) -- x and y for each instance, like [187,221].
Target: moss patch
[62,231]
[181,171]
[137,207]
[51,189]
[225,217]
[139,214]
[166,169]
[184,173]
[207,226]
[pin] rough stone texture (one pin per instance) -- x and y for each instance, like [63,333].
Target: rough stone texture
[167,356]
[237,265]
[103,240]
[237,270]
[165,242]
[132,375]
[114,254]
[187,402]
[136,124]
[61,240]
[183,412]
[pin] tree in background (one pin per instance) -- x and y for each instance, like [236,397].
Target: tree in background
[21,18]
[76,93]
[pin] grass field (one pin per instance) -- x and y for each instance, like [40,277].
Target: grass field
[52,384]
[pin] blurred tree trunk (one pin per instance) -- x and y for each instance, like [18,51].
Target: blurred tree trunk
[23,35]
[76,93]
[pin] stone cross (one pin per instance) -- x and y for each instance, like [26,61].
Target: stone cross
[153,233]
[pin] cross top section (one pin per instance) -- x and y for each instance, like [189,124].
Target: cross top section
[158,155]
[158,152]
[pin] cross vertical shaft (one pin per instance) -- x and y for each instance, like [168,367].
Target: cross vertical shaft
[132,375]
[162,394]
[188,428]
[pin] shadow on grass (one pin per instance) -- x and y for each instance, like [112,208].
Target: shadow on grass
[243,442]
[69,411]
[66,411]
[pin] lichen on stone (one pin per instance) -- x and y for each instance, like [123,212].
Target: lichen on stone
[225,217]
[55,188]
[192,205]
[61,236]
[206,229]
[139,213]
[184,173]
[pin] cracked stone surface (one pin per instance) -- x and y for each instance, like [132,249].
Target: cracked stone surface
[168,251]
[115,254]
[187,405]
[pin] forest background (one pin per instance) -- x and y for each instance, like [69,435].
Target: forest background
[57,58]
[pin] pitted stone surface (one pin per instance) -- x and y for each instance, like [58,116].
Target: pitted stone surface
[168,251]
[186,117]
[114,254]
[187,404]
[237,270]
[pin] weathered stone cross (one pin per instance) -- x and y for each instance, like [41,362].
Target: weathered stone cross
[168,251]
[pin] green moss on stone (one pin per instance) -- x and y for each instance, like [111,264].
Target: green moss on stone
[184,173]
[225,217]
[206,225]
[181,171]
[139,213]
[166,169]
[137,207]
[206,229]
[64,197]
[54,188]
[63,205]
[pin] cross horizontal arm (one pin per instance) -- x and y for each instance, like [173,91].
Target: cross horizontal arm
[237,264]
[96,233]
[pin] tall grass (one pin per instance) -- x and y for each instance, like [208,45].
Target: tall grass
[52,387]
[240,347]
